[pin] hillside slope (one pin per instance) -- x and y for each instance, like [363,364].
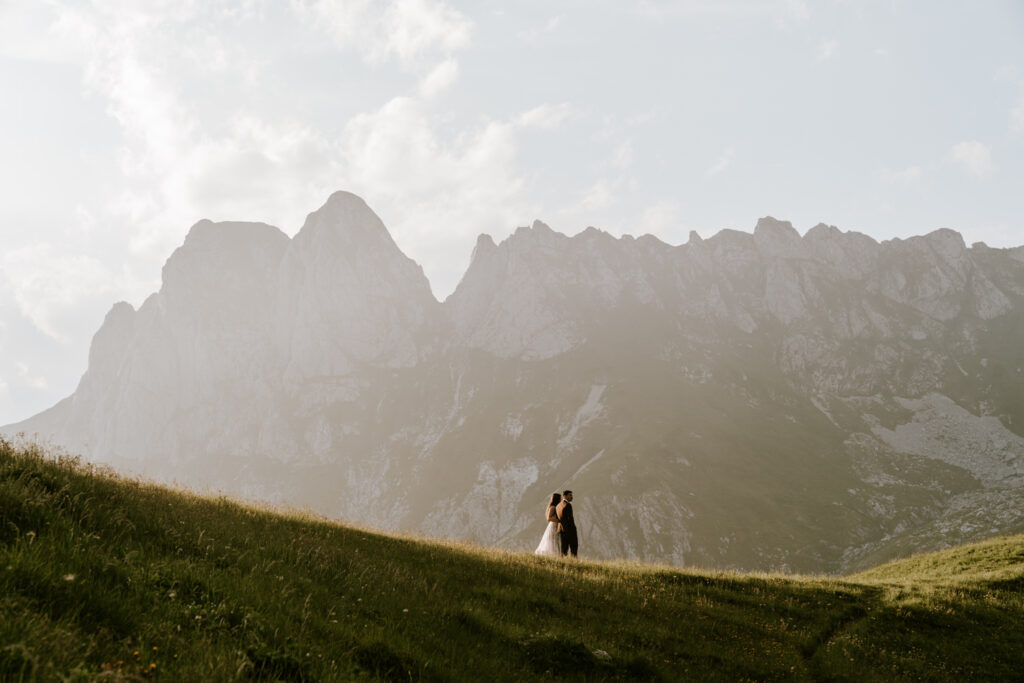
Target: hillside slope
[101,576]
[755,401]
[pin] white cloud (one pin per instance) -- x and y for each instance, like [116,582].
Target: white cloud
[535,33]
[3,386]
[723,161]
[598,196]
[409,30]
[435,194]
[417,27]
[440,78]
[907,176]
[643,118]
[595,200]
[147,108]
[792,13]
[659,219]
[827,49]
[1017,116]
[178,167]
[622,158]
[31,31]
[1006,74]
[30,380]
[86,222]
[975,157]
[547,116]
[881,52]
[57,290]
[257,170]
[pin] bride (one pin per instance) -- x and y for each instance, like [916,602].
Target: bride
[549,542]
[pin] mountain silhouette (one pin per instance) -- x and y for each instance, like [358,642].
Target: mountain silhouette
[758,400]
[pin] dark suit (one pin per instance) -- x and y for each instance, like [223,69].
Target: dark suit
[567,529]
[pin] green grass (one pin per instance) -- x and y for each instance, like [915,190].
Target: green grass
[107,578]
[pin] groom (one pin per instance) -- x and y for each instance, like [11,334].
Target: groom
[567,525]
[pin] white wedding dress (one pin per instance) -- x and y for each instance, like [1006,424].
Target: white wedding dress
[550,544]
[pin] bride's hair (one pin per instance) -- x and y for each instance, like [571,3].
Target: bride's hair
[556,498]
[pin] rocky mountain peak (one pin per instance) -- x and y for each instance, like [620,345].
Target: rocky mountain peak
[875,381]
[651,242]
[598,243]
[484,249]
[345,226]
[822,231]
[119,312]
[538,233]
[220,260]
[777,238]
[773,226]
[947,243]
[207,235]
[109,343]
[347,295]
[346,239]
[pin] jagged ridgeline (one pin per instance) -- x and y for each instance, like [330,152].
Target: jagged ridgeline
[752,401]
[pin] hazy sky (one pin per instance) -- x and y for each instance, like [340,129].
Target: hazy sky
[123,123]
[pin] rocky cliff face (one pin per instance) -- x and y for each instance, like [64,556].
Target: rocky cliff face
[757,401]
[348,297]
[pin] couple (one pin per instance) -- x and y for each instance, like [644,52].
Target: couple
[560,537]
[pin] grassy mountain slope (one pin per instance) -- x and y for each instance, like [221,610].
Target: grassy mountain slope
[102,577]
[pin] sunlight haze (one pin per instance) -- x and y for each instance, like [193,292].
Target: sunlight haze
[125,124]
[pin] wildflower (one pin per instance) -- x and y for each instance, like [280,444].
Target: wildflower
[406,609]
[69,577]
[154,648]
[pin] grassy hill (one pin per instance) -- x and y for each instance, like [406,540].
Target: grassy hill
[105,578]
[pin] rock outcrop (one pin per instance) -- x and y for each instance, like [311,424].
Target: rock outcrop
[758,400]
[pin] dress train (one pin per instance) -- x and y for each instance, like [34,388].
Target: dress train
[550,544]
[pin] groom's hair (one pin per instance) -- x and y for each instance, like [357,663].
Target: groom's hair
[566,492]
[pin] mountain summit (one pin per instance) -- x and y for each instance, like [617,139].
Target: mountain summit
[348,296]
[759,400]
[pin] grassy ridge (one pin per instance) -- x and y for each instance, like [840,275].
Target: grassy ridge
[106,578]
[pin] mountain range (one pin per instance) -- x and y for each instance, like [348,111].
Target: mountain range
[765,400]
